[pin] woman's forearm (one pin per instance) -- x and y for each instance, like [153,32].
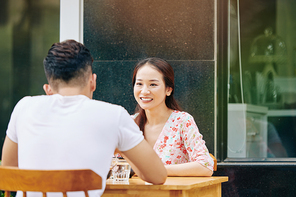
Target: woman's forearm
[188,169]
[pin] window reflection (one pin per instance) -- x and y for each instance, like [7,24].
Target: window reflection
[27,30]
[262,79]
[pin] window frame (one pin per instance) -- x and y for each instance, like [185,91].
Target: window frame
[71,20]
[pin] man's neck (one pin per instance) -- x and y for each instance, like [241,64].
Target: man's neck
[72,91]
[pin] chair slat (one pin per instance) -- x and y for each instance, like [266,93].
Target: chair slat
[215,162]
[7,194]
[15,179]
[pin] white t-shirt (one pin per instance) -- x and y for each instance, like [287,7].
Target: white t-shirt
[71,132]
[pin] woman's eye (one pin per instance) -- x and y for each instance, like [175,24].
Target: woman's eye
[138,84]
[153,84]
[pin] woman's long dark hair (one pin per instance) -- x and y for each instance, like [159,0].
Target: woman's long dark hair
[168,76]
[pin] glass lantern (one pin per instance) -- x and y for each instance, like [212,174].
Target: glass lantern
[270,50]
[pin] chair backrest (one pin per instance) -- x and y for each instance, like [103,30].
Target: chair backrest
[215,162]
[15,179]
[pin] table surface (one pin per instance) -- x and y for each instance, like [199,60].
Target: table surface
[172,183]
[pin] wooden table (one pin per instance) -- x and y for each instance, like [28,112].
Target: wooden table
[174,186]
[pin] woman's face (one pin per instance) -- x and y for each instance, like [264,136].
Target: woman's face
[149,88]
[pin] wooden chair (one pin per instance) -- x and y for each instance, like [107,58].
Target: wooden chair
[215,162]
[15,179]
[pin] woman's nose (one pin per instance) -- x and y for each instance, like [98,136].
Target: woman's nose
[145,90]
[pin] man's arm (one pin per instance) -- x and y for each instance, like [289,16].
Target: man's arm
[146,163]
[9,153]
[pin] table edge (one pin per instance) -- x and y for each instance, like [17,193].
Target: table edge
[213,181]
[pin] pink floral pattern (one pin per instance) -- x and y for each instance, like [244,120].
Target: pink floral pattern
[180,142]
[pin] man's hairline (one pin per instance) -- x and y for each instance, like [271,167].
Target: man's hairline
[59,81]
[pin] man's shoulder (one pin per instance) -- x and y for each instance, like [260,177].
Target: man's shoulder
[81,101]
[32,99]
[36,99]
[106,104]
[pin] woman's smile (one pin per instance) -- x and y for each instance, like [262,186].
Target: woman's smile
[145,99]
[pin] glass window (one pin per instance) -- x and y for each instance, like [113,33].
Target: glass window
[27,30]
[262,79]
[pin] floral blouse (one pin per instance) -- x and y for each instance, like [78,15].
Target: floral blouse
[180,142]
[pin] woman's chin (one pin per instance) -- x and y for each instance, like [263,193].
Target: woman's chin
[145,107]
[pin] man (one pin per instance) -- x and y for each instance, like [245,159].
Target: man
[66,129]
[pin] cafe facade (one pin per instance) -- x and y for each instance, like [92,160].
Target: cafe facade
[234,63]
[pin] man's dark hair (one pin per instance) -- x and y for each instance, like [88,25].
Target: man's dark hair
[68,62]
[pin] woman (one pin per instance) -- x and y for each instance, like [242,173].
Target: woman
[173,134]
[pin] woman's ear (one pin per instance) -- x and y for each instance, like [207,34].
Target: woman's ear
[47,89]
[169,91]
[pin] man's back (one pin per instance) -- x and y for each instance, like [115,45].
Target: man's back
[70,132]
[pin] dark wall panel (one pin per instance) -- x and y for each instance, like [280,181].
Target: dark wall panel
[171,29]
[114,83]
[258,181]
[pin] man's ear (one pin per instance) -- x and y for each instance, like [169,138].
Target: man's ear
[93,83]
[47,89]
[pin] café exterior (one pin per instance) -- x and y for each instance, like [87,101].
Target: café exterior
[234,63]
